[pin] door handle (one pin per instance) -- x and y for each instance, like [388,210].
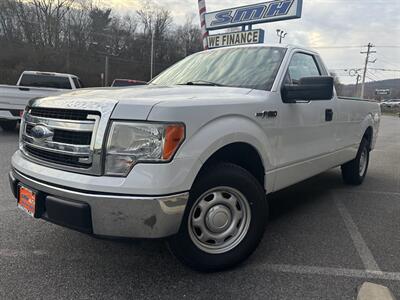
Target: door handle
[328,115]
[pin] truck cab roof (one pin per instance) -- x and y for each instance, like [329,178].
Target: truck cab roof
[48,74]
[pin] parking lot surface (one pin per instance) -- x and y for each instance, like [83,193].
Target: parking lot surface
[323,241]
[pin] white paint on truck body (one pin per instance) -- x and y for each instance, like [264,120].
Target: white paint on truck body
[296,144]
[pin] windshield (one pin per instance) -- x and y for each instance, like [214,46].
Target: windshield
[244,67]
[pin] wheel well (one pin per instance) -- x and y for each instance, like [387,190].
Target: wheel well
[241,154]
[369,135]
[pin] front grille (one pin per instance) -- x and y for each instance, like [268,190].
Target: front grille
[63,138]
[63,114]
[67,137]
[57,158]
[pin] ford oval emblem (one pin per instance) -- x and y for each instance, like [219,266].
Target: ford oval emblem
[41,132]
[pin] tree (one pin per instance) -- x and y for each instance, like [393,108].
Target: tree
[49,17]
[100,22]
[189,37]
[73,35]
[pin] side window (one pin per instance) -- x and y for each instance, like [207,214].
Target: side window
[301,65]
[81,83]
[76,82]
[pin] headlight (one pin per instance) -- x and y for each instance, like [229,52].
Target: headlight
[130,143]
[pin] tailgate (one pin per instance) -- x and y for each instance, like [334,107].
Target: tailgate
[14,97]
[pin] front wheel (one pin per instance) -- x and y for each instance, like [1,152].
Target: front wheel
[224,220]
[354,172]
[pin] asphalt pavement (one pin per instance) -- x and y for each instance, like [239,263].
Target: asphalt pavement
[323,241]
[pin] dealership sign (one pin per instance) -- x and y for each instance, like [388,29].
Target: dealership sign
[236,38]
[254,14]
[382,92]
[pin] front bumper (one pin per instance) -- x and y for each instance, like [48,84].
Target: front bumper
[110,215]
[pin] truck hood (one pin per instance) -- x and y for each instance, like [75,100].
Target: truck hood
[135,103]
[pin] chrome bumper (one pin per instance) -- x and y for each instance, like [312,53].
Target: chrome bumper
[118,215]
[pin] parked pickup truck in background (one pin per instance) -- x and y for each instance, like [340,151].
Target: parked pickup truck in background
[127,82]
[31,84]
[193,155]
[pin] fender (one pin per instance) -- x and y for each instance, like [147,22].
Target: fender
[223,131]
[369,121]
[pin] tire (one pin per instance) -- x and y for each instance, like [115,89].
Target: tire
[354,172]
[227,205]
[9,125]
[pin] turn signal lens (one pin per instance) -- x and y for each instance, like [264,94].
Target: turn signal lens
[174,136]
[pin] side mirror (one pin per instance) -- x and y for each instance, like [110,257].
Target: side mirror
[308,89]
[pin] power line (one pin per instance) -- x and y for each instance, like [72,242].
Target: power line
[337,47]
[376,69]
[385,70]
[370,78]
[353,2]
[351,46]
[375,76]
[388,61]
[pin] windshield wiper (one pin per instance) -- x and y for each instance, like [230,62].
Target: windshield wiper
[201,82]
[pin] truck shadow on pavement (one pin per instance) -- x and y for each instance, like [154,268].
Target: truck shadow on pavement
[306,192]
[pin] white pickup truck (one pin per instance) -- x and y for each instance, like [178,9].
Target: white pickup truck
[31,84]
[193,155]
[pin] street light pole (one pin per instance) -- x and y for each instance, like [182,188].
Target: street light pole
[106,72]
[152,55]
[281,34]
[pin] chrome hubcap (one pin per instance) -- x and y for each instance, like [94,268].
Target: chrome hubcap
[219,220]
[363,161]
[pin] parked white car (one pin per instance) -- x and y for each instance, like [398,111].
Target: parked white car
[193,156]
[31,84]
[393,103]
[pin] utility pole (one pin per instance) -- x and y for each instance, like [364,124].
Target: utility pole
[68,63]
[152,55]
[367,61]
[281,34]
[352,73]
[106,71]
[358,80]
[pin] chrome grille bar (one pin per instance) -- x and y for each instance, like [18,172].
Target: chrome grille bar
[73,150]
[69,125]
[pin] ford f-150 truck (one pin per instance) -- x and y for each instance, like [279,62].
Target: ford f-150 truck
[192,156]
[31,84]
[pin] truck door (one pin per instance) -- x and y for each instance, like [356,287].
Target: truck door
[307,129]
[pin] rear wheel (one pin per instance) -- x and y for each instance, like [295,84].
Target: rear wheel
[224,220]
[354,172]
[8,125]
